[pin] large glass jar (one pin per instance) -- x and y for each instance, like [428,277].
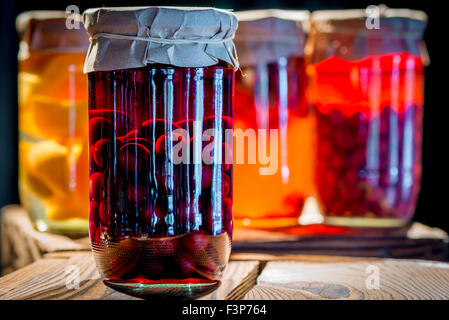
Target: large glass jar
[53,140]
[158,225]
[367,91]
[271,102]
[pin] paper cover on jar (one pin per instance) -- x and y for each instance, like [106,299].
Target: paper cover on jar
[264,36]
[46,31]
[355,34]
[124,38]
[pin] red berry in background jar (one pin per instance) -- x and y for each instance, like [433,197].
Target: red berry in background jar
[98,128]
[324,128]
[338,162]
[337,208]
[358,158]
[351,177]
[134,157]
[336,119]
[325,149]
[356,121]
[375,208]
[331,179]
[95,182]
[105,212]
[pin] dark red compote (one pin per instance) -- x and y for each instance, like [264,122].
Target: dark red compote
[369,138]
[153,221]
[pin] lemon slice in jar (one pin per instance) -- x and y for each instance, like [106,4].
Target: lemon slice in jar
[47,161]
[58,119]
[27,82]
[35,185]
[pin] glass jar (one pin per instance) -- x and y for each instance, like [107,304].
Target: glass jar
[367,91]
[271,101]
[158,225]
[53,140]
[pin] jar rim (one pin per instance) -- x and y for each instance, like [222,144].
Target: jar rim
[24,18]
[294,15]
[355,14]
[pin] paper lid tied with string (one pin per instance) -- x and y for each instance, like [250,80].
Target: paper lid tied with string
[133,37]
[267,35]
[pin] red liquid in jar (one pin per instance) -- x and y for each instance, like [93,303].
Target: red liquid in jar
[369,137]
[153,221]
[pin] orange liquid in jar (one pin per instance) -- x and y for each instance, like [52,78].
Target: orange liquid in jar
[53,141]
[272,96]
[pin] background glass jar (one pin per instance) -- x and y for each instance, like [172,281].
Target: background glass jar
[367,91]
[53,142]
[271,94]
[152,221]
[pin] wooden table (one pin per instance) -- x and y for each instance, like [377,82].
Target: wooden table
[254,271]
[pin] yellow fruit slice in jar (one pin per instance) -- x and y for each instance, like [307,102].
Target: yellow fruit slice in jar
[27,82]
[58,119]
[63,78]
[48,162]
[34,184]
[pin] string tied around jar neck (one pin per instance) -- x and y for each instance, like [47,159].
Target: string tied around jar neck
[169,41]
[158,40]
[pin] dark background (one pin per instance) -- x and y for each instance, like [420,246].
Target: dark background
[431,209]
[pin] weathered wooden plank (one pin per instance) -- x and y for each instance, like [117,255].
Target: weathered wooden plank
[50,278]
[345,278]
[22,244]
[238,279]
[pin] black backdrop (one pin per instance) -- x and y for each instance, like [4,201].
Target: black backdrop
[431,209]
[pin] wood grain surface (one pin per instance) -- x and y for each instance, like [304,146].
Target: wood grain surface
[22,244]
[52,278]
[336,278]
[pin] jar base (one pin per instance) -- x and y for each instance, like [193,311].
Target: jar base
[163,289]
[364,222]
[73,228]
